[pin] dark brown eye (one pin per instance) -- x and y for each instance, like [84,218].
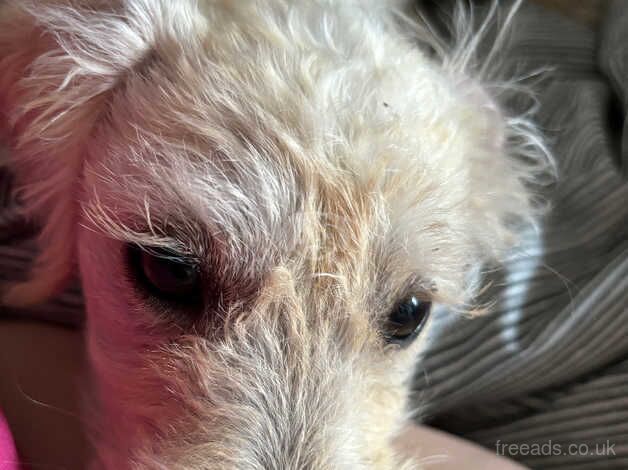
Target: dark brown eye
[406,320]
[165,274]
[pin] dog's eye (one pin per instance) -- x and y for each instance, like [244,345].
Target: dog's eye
[406,320]
[165,274]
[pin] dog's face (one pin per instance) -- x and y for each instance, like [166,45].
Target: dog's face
[266,201]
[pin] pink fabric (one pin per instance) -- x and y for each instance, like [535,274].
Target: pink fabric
[8,454]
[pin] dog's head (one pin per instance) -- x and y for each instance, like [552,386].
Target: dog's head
[264,200]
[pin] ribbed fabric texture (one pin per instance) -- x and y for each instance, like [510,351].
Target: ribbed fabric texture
[549,365]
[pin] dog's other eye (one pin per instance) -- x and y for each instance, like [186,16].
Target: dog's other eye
[165,274]
[406,320]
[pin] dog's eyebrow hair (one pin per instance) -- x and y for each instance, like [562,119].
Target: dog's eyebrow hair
[149,240]
[418,284]
[182,236]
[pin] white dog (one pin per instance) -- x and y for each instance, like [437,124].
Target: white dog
[264,197]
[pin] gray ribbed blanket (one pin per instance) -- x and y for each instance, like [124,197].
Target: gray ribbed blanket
[549,367]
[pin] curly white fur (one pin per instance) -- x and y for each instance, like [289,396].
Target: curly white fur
[312,155]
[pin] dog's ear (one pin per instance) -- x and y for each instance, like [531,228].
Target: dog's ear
[511,168]
[59,65]
[510,164]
